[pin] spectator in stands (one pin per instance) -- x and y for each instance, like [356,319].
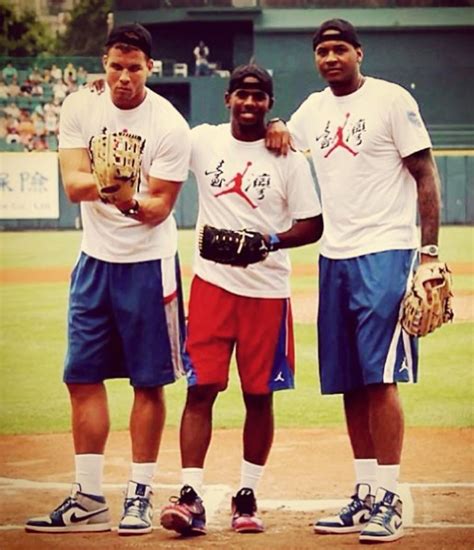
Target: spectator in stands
[9,73]
[3,126]
[14,89]
[38,144]
[81,77]
[71,86]
[56,73]
[51,122]
[38,109]
[201,54]
[35,76]
[12,110]
[60,90]
[70,73]
[3,90]
[47,77]
[12,136]
[38,124]
[26,88]
[26,128]
[37,90]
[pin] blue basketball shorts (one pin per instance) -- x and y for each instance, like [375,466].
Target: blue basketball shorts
[360,339]
[125,320]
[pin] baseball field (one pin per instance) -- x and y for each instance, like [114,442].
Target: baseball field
[309,472]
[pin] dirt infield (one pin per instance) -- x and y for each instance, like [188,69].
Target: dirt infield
[305,468]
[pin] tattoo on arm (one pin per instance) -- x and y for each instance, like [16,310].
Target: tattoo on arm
[423,168]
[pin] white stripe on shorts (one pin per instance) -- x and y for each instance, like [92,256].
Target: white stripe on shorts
[389,366]
[170,298]
[168,276]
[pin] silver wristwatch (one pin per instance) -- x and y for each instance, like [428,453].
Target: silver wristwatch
[132,211]
[430,250]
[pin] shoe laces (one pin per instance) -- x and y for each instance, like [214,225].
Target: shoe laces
[63,506]
[187,496]
[245,503]
[136,506]
[381,513]
[353,506]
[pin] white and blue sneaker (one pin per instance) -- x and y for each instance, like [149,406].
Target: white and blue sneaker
[353,517]
[78,513]
[385,524]
[137,510]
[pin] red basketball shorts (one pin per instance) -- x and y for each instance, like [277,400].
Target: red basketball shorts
[259,329]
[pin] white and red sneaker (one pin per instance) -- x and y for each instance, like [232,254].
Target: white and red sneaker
[244,508]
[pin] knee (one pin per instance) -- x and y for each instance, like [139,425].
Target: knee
[382,392]
[259,404]
[83,393]
[153,395]
[201,397]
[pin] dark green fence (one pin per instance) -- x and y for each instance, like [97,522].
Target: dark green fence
[456,171]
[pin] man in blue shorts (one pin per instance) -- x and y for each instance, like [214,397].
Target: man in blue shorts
[125,310]
[374,164]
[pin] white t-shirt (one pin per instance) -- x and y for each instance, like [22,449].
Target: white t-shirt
[242,185]
[357,143]
[108,235]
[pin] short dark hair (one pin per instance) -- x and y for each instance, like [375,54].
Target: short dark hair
[340,30]
[134,35]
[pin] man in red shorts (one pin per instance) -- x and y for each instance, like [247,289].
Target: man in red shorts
[241,185]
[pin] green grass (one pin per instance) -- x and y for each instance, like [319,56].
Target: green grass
[33,335]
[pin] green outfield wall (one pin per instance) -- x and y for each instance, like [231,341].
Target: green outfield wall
[456,171]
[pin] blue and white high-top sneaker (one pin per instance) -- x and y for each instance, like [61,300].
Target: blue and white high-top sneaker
[80,512]
[137,510]
[351,518]
[385,524]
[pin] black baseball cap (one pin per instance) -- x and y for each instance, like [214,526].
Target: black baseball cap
[135,35]
[240,73]
[336,29]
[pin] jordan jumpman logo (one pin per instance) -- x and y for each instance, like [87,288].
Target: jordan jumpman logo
[237,187]
[340,140]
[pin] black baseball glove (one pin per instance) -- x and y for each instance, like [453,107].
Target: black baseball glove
[226,246]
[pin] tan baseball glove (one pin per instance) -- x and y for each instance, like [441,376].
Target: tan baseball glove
[428,303]
[116,161]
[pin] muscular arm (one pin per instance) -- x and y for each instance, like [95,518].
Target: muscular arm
[77,176]
[79,185]
[423,168]
[158,206]
[302,232]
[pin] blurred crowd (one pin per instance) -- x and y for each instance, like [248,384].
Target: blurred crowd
[30,102]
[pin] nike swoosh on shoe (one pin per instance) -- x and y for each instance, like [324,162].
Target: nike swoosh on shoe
[89,515]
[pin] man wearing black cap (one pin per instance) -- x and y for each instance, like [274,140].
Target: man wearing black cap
[247,309]
[373,160]
[125,312]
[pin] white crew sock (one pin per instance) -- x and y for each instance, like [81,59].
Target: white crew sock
[89,473]
[142,472]
[193,477]
[250,475]
[366,472]
[387,477]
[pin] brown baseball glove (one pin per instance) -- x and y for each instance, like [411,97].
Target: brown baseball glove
[116,161]
[428,303]
[226,246]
